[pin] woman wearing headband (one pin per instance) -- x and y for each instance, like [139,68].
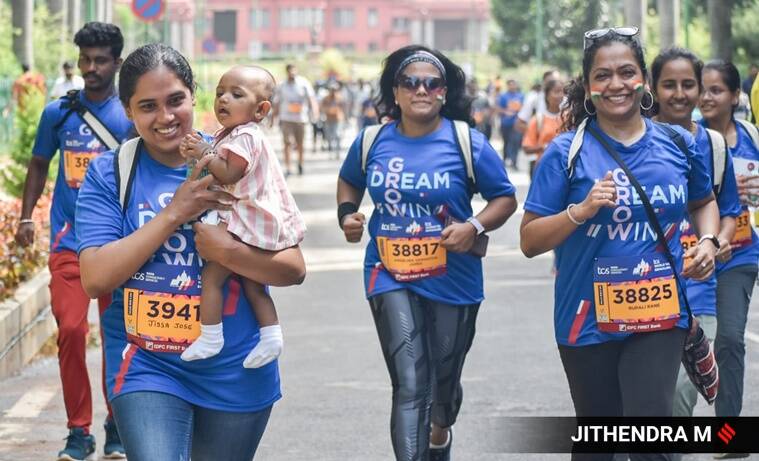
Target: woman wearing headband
[620,318]
[423,282]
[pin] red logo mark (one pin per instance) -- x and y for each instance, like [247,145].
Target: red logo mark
[726,434]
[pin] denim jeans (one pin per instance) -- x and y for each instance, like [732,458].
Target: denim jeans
[734,288]
[155,425]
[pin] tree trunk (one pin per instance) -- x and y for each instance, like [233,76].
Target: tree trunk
[58,12]
[669,16]
[22,22]
[635,15]
[720,28]
[74,15]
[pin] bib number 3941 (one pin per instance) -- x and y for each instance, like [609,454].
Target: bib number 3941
[635,294]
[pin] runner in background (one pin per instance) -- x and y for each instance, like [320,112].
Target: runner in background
[67,82]
[535,103]
[544,125]
[295,106]
[509,104]
[482,110]
[676,80]
[737,275]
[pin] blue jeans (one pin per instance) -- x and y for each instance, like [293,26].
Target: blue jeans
[154,425]
[734,288]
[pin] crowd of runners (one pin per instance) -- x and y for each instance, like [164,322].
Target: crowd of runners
[643,184]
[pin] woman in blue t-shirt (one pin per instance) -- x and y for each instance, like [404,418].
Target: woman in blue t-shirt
[423,282]
[736,275]
[619,321]
[137,243]
[676,80]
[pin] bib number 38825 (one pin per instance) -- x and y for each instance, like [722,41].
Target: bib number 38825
[635,294]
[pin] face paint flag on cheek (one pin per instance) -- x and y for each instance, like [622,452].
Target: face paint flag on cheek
[595,95]
[639,87]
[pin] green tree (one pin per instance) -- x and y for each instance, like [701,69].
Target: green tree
[9,66]
[51,50]
[564,24]
[25,130]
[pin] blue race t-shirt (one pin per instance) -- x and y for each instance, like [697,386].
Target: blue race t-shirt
[78,146]
[746,253]
[418,185]
[221,382]
[703,295]
[670,179]
[512,101]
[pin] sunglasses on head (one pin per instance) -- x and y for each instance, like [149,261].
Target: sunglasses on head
[592,35]
[412,83]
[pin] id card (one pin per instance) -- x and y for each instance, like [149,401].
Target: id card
[742,237]
[635,294]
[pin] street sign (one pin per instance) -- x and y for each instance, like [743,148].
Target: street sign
[148,10]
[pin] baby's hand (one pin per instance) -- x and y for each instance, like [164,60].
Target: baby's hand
[193,146]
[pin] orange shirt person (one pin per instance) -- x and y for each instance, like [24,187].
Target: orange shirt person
[27,82]
[543,127]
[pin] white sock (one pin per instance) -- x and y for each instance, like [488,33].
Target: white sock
[208,344]
[268,348]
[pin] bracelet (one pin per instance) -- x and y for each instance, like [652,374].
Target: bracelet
[571,218]
[26,221]
[343,210]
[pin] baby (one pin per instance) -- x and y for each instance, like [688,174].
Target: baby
[265,216]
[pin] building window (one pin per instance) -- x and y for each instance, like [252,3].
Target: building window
[298,18]
[225,27]
[372,17]
[344,17]
[259,18]
[373,46]
[400,24]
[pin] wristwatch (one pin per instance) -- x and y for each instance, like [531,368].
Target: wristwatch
[477,225]
[711,238]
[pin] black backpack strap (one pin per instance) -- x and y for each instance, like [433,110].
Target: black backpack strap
[70,102]
[650,213]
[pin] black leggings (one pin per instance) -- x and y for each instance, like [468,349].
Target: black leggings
[632,377]
[424,343]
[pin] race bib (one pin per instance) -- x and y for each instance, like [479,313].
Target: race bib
[294,107]
[410,247]
[75,166]
[162,308]
[742,236]
[635,294]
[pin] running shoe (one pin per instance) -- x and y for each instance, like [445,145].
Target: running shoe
[443,454]
[113,449]
[79,446]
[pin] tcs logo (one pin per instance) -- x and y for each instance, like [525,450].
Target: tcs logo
[603,270]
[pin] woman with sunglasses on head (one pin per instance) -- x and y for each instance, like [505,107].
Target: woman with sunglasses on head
[737,273]
[676,81]
[620,319]
[423,283]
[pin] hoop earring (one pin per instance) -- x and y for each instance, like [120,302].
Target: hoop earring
[648,93]
[585,106]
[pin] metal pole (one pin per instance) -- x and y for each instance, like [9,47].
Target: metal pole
[686,5]
[90,10]
[539,34]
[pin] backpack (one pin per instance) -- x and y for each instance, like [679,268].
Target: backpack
[460,132]
[72,104]
[752,131]
[124,165]
[719,157]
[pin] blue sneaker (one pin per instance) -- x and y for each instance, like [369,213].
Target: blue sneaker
[444,453]
[113,449]
[79,446]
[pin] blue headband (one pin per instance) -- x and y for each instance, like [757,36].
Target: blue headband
[421,56]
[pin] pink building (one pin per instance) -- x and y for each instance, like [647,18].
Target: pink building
[263,27]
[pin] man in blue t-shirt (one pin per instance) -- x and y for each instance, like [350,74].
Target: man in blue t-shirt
[81,126]
[509,105]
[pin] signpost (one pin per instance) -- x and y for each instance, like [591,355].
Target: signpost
[148,10]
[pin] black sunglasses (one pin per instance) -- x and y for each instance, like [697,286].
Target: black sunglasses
[595,34]
[412,83]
